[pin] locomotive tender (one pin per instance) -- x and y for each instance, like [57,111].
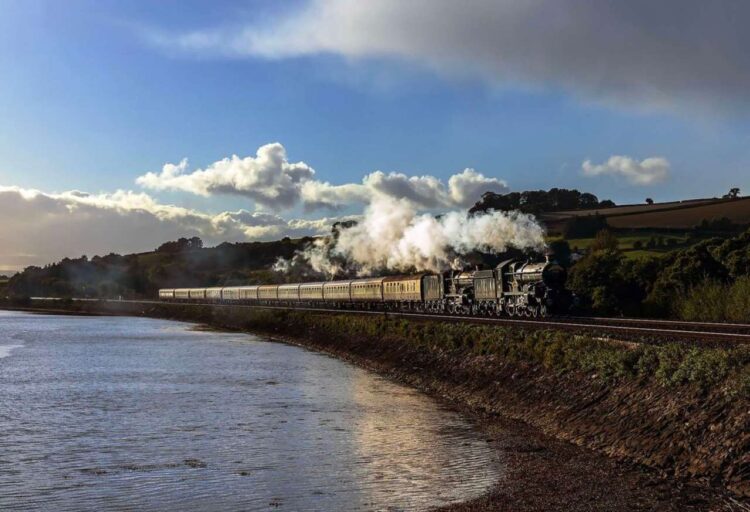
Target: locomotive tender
[513,288]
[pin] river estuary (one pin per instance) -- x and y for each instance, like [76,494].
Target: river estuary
[115,413]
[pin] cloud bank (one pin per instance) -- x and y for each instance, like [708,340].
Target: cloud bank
[646,172]
[658,54]
[39,227]
[273,182]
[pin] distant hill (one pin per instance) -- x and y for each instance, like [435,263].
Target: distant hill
[184,262]
[677,215]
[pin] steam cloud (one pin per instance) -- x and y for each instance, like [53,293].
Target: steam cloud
[393,236]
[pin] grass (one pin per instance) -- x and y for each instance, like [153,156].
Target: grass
[635,243]
[640,254]
[629,240]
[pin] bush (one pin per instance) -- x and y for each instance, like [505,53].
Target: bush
[705,302]
[714,301]
[604,240]
[702,367]
[738,301]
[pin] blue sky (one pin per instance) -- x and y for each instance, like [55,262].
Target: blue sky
[94,94]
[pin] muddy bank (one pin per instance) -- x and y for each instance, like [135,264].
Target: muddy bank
[682,412]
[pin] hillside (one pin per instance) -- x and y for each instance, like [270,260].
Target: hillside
[180,263]
[678,215]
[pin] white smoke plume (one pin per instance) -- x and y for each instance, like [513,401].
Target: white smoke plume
[393,236]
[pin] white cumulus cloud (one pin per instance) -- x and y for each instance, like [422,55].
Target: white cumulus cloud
[273,182]
[646,172]
[268,178]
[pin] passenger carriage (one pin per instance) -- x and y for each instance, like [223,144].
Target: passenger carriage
[419,292]
[289,293]
[268,293]
[249,294]
[311,293]
[213,295]
[337,293]
[166,294]
[197,294]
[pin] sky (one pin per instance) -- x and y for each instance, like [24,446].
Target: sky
[127,123]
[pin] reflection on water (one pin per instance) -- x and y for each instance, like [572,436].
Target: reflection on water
[5,350]
[139,414]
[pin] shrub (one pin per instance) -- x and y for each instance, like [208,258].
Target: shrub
[713,301]
[704,302]
[703,367]
[738,301]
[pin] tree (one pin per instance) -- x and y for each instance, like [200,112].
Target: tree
[595,280]
[183,244]
[539,201]
[733,193]
[682,270]
[649,200]
[605,240]
[560,252]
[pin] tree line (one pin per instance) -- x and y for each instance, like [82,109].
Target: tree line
[609,283]
[184,262]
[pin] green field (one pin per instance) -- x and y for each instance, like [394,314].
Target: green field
[638,244]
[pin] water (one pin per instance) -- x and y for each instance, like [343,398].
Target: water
[104,413]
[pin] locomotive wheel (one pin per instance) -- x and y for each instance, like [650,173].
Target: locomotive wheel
[535,311]
[543,310]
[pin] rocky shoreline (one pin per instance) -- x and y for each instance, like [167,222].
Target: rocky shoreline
[608,433]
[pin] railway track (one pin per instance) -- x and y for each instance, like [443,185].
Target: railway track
[626,329]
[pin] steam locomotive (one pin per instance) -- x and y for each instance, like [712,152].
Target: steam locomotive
[513,288]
